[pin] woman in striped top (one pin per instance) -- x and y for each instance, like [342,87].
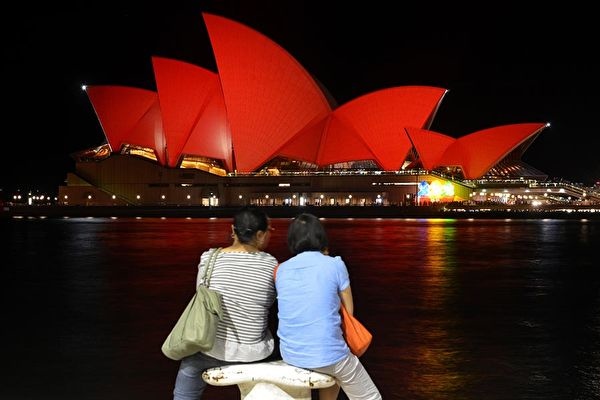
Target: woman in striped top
[243,274]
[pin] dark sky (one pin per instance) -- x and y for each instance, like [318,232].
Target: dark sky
[502,65]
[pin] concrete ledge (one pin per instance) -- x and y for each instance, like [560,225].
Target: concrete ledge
[458,212]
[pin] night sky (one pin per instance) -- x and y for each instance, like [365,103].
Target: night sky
[501,64]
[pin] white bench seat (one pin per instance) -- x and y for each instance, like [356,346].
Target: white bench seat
[268,380]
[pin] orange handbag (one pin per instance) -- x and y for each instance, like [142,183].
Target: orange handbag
[357,336]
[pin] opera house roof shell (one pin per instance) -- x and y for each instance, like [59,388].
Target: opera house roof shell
[262,104]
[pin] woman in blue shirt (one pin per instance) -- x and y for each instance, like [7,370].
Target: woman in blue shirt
[309,288]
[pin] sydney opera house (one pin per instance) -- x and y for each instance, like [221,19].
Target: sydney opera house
[261,130]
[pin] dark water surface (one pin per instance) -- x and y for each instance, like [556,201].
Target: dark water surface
[459,309]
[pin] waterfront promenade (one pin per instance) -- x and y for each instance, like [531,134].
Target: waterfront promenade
[436,211]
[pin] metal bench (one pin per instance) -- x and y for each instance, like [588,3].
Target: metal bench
[274,380]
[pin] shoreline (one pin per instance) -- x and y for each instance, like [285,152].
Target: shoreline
[458,212]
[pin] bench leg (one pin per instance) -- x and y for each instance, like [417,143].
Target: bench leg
[266,390]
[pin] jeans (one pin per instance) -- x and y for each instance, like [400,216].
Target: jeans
[189,384]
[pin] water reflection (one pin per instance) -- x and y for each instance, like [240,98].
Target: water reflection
[459,309]
[437,355]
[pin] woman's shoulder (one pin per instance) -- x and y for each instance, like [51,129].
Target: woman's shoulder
[209,251]
[268,257]
[337,259]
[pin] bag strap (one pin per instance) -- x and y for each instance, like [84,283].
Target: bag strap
[209,266]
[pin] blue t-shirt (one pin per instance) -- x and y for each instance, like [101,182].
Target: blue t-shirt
[309,331]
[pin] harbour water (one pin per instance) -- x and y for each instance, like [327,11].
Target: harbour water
[459,309]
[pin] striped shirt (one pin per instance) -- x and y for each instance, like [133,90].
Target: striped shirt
[245,281]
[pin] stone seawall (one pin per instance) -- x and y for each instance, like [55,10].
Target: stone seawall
[587,212]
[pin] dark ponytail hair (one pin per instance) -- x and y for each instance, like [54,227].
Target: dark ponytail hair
[247,222]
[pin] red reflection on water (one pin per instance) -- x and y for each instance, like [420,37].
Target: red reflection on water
[458,309]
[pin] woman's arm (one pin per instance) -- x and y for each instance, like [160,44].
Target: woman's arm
[347,301]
